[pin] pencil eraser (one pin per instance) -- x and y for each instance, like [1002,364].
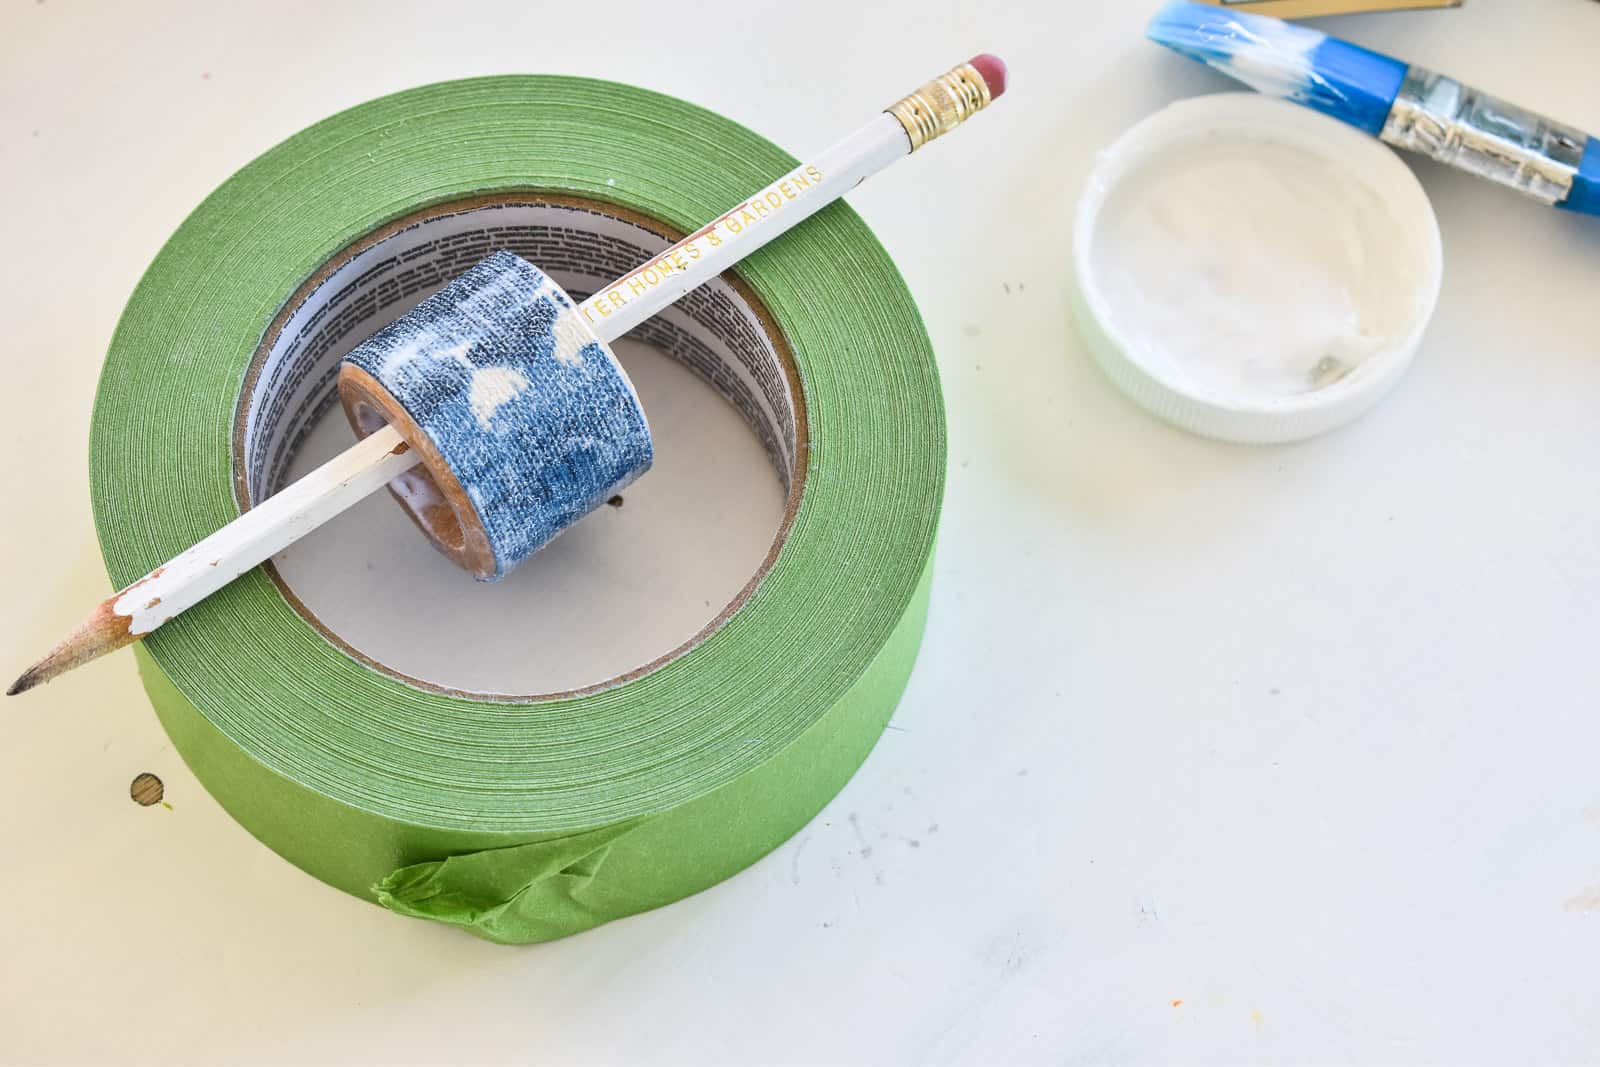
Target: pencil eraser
[993,69]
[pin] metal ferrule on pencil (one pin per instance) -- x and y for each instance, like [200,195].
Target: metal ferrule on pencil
[1484,135]
[942,104]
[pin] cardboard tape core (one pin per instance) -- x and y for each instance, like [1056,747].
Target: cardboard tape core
[430,493]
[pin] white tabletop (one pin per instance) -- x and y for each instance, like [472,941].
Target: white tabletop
[1212,754]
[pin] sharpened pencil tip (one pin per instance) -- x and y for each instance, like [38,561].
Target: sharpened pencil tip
[103,631]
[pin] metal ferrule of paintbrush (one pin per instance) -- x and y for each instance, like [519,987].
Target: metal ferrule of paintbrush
[1484,135]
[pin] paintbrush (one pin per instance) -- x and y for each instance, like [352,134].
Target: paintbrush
[1409,107]
[280,520]
[1303,9]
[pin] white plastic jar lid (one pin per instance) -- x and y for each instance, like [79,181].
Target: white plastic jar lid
[1251,270]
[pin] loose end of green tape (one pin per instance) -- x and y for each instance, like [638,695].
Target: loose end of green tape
[514,895]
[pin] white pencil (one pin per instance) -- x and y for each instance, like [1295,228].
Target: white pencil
[373,462]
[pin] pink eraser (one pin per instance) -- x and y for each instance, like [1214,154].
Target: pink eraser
[993,69]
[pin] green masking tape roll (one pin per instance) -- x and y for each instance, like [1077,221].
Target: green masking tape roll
[525,820]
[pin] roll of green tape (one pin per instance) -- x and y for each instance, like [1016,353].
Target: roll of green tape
[526,819]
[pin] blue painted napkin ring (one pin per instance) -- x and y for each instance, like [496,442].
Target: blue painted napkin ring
[523,418]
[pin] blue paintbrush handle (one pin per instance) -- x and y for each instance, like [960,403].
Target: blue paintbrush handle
[1409,107]
[1585,196]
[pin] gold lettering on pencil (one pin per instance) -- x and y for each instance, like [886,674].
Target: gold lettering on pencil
[800,180]
[637,285]
[773,199]
[786,189]
[813,173]
[761,208]
[615,296]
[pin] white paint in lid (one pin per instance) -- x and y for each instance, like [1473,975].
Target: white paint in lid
[1253,271]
